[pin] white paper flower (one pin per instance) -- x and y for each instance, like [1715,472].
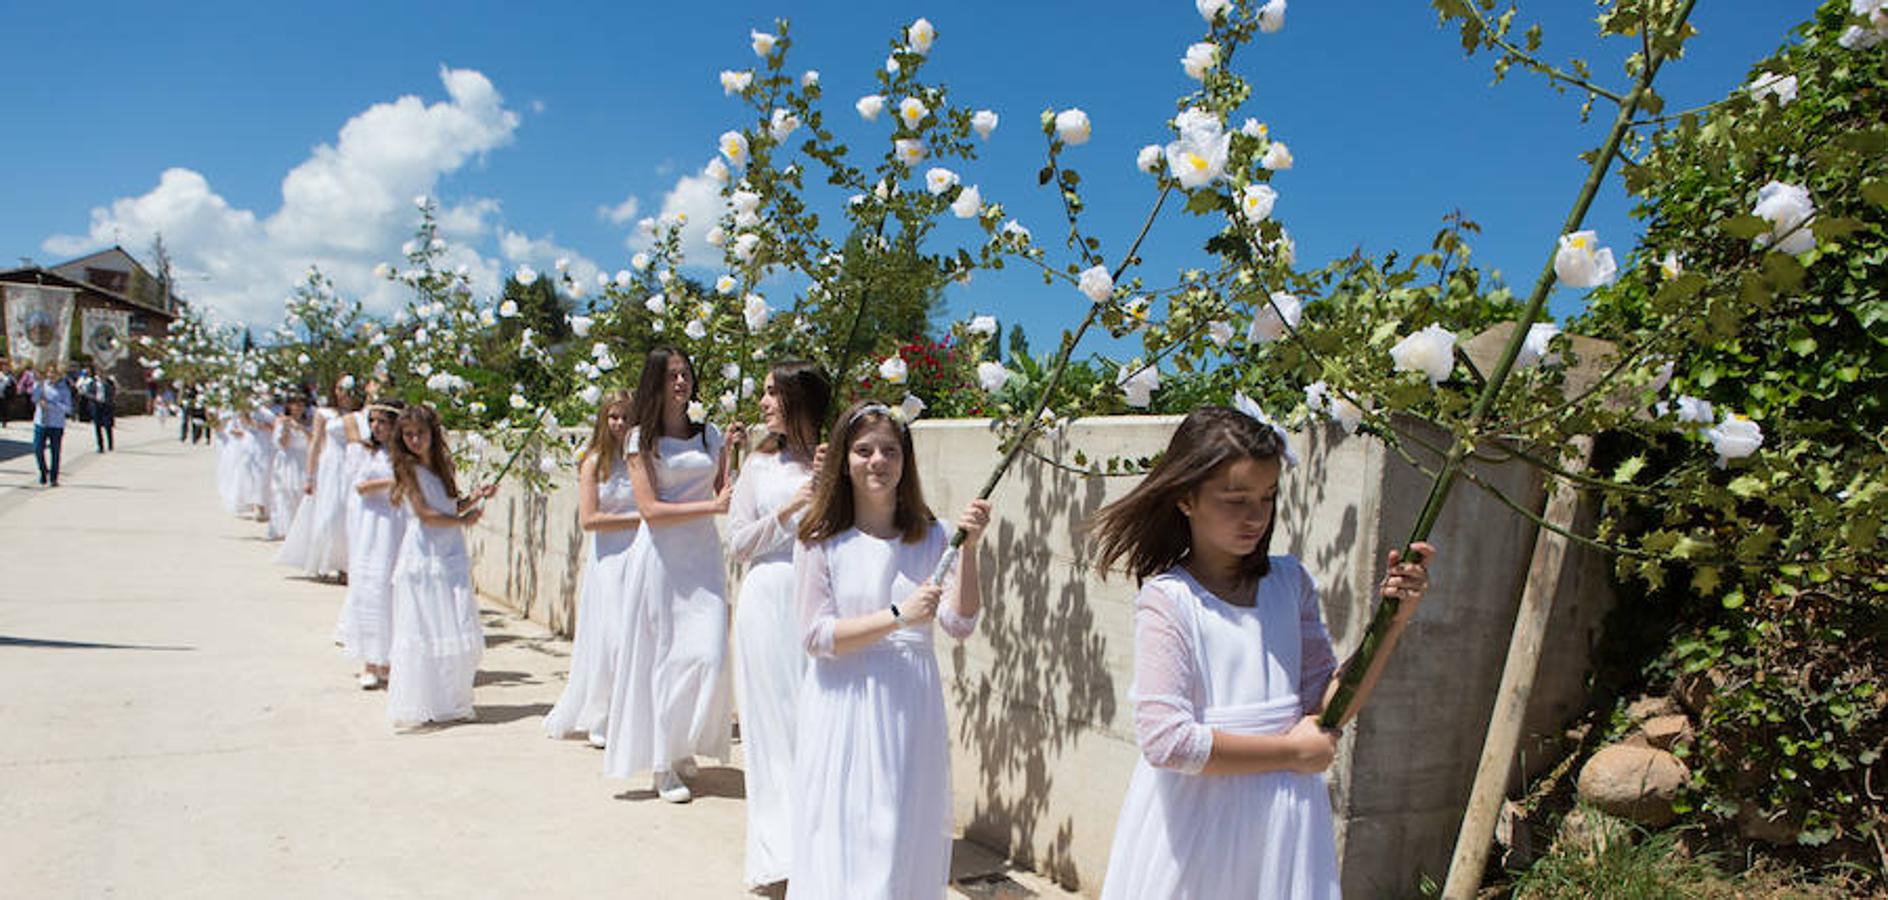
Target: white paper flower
[580,325]
[508,309]
[383,271]
[717,170]
[894,370]
[1148,160]
[909,151]
[756,311]
[1272,16]
[1581,262]
[1198,158]
[519,402]
[1771,84]
[697,413]
[526,276]
[744,247]
[735,82]
[1320,398]
[1200,57]
[590,395]
[1015,231]
[1138,382]
[919,35]
[1209,9]
[1219,332]
[1670,266]
[1430,351]
[782,124]
[1256,201]
[1789,211]
[1277,157]
[726,284]
[1253,128]
[991,376]
[909,409]
[734,146]
[1071,125]
[1097,284]
[639,262]
[695,329]
[1534,348]
[911,111]
[656,304]
[969,201]
[1693,411]
[763,43]
[1734,438]
[983,122]
[939,179]
[1275,318]
[984,325]
[870,106]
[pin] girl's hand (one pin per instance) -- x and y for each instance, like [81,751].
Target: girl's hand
[471,516]
[975,519]
[308,487]
[489,491]
[1313,747]
[1408,581]
[737,434]
[921,606]
[724,498]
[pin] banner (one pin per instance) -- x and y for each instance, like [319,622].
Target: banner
[39,323]
[104,333]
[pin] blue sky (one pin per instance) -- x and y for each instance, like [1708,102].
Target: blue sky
[529,124]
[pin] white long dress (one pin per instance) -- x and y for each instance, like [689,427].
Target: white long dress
[1202,664]
[769,662]
[228,460]
[289,472]
[584,708]
[375,531]
[437,638]
[317,539]
[672,697]
[872,779]
[255,450]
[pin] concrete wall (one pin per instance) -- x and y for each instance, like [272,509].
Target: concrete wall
[1043,730]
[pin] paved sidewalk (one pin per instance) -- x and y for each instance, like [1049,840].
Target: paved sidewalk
[176,722]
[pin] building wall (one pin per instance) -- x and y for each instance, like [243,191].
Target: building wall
[1043,732]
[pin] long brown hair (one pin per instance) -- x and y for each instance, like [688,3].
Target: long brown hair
[832,510]
[652,391]
[606,447]
[405,481]
[806,395]
[391,409]
[1147,528]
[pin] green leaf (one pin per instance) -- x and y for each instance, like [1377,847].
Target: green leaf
[1747,486]
[1629,469]
[1876,192]
[1745,226]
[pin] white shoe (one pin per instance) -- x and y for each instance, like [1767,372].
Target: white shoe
[599,740]
[669,787]
[369,681]
[686,767]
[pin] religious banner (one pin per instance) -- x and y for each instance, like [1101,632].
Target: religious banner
[104,333]
[39,323]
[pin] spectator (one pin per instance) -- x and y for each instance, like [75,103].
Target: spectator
[52,401]
[103,393]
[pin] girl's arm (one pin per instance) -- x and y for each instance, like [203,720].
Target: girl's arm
[963,600]
[661,512]
[316,441]
[1408,582]
[352,427]
[373,485]
[753,531]
[736,432]
[588,518]
[826,635]
[429,516]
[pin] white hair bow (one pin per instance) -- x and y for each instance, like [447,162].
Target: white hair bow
[1247,405]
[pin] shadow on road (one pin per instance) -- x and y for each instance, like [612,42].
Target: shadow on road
[42,644]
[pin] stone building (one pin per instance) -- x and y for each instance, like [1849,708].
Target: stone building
[110,279]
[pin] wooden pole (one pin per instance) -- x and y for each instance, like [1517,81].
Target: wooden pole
[1517,685]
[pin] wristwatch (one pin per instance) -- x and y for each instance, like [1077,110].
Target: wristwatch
[896,615]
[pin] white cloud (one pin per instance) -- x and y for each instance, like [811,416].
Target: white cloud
[621,212]
[543,254]
[345,208]
[697,196]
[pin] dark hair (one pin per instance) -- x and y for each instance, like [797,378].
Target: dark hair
[806,395]
[393,415]
[405,481]
[604,446]
[344,397]
[832,510]
[1147,528]
[652,391]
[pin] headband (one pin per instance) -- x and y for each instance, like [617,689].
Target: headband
[896,415]
[1246,405]
[382,407]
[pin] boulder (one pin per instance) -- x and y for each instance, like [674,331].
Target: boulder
[1650,707]
[1665,732]
[1637,783]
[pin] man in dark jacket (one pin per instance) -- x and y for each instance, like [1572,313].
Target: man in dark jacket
[104,396]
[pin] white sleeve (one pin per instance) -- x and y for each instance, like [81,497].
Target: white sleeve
[1166,677]
[819,606]
[753,531]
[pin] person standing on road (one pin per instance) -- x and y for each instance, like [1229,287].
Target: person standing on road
[103,391]
[52,402]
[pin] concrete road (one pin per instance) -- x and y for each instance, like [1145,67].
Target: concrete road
[175,721]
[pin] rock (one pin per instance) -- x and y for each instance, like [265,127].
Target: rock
[1696,690]
[1753,824]
[1589,832]
[1637,783]
[1665,732]
[1515,834]
[1650,707]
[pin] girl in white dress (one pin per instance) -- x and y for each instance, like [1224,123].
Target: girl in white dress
[770,498]
[375,530]
[290,464]
[671,701]
[1231,667]
[606,507]
[317,539]
[258,451]
[872,793]
[437,639]
[228,456]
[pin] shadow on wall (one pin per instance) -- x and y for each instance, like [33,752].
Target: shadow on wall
[1046,680]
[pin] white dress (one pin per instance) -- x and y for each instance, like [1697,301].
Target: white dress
[255,450]
[375,530]
[317,539]
[1202,664]
[584,708]
[872,778]
[672,698]
[228,460]
[288,474]
[769,662]
[437,638]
